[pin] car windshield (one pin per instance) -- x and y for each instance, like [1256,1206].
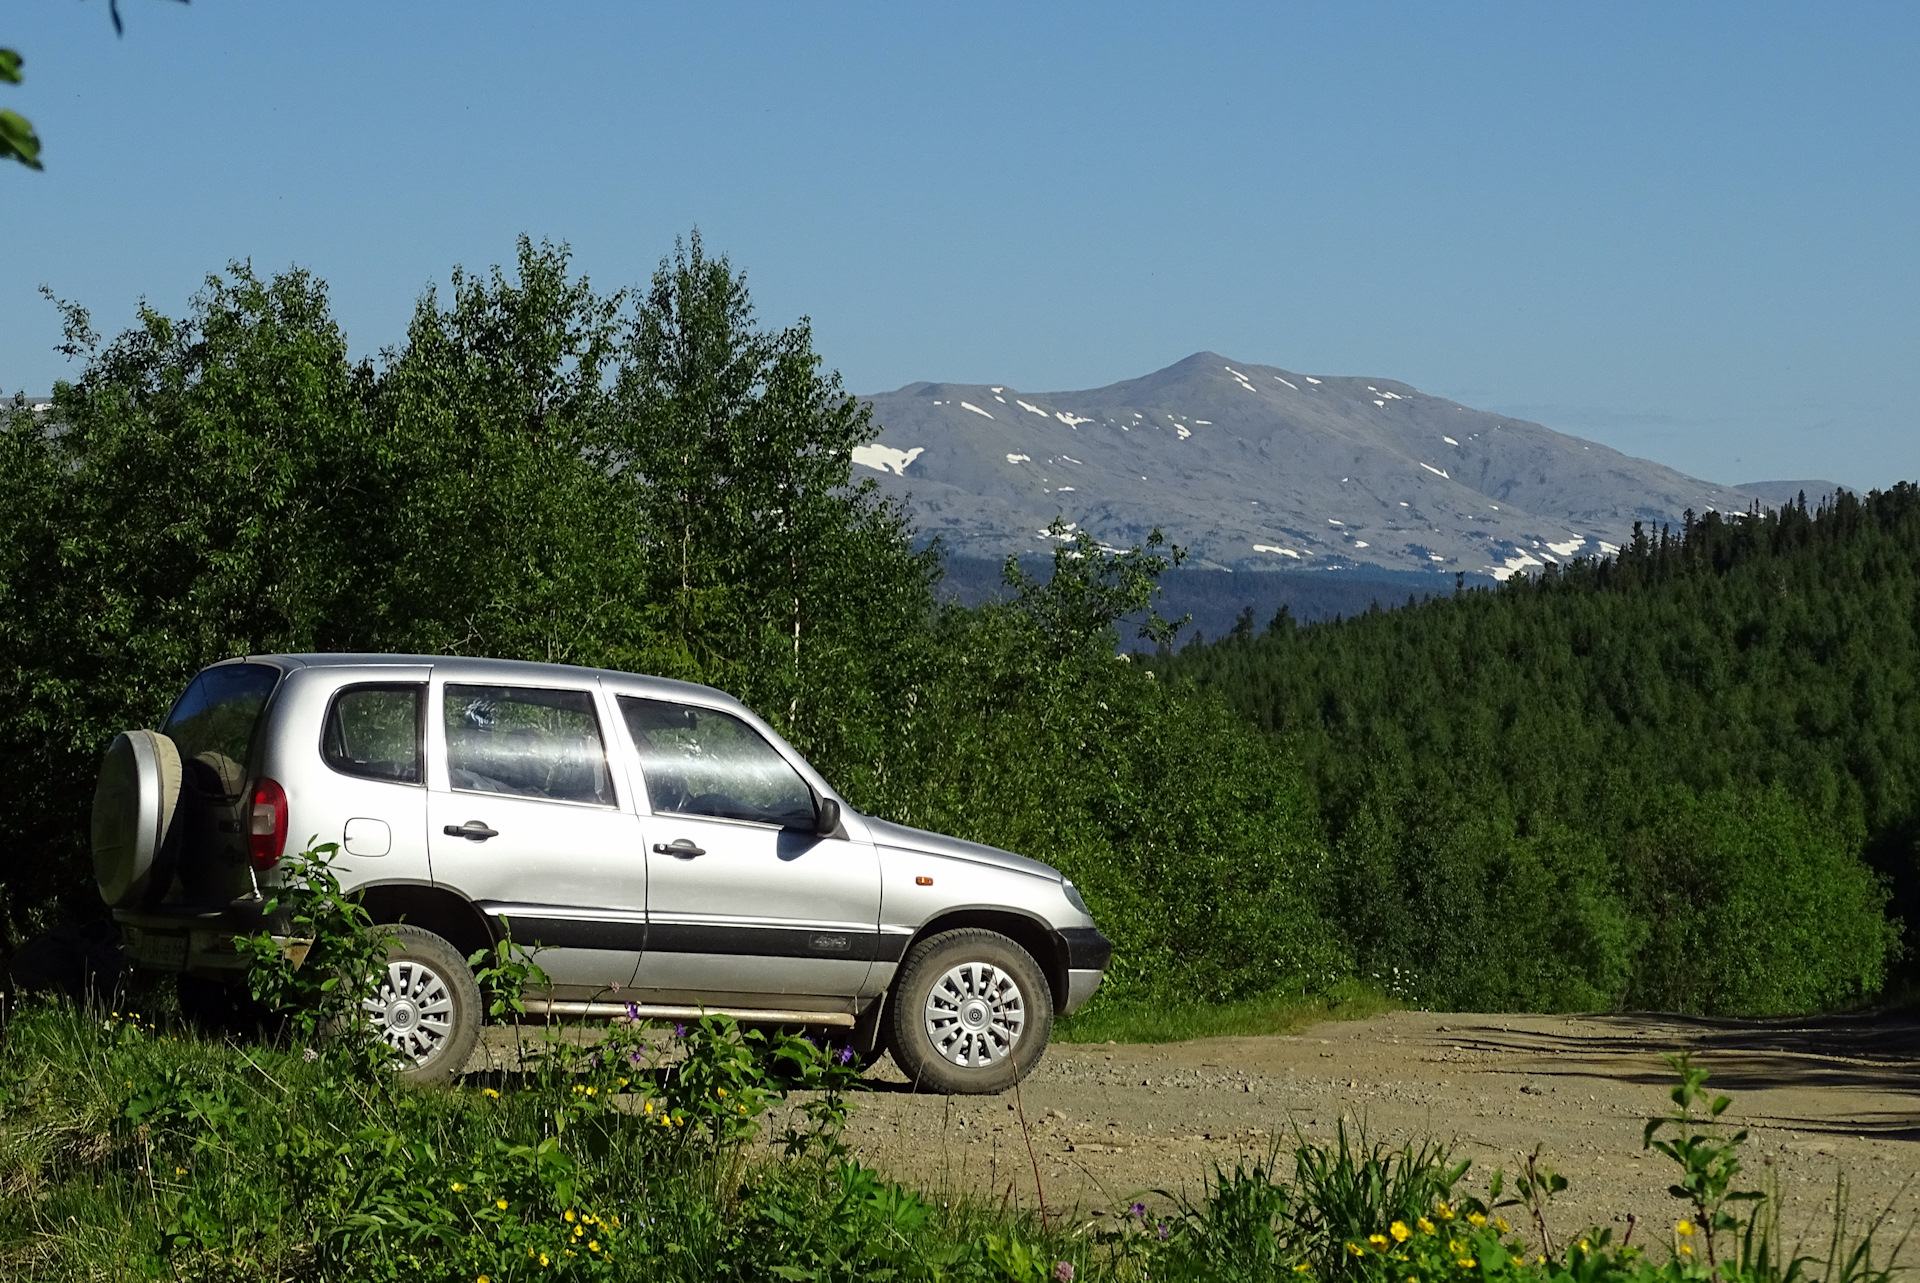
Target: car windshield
[212,724]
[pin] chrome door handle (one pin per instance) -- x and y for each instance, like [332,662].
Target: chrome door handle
[681,847]
[472,830]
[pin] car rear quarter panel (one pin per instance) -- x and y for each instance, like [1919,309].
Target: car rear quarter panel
[320,800]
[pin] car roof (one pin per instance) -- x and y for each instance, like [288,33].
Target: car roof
[505,670]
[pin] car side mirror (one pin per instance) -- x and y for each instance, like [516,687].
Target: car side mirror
[826,818]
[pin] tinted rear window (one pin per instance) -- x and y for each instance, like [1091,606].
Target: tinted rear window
[212,724]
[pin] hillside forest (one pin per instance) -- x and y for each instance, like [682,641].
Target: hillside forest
[1686,777]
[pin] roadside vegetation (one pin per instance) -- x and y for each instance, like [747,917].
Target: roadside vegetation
[1685,778]
[133,1148]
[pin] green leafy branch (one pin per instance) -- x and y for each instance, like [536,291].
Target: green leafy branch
[1708,1160]
[17,139]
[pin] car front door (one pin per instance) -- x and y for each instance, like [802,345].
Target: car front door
[524,818]
[746,906]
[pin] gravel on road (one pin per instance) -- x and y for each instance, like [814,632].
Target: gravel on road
[1108,1122]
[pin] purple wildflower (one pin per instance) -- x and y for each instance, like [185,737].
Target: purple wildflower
[1139,1210]
[1063,1270]
[633,1011]
[846,1054]
[679,1031]
[633,1057]
[1163,1229]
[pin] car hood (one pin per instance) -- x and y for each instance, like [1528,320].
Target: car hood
[886,833]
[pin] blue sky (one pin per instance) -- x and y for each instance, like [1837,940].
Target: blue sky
[1688,231]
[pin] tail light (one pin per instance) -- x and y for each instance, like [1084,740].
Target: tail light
[267,836]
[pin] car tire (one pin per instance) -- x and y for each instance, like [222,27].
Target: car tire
[426,1006]
[969,1013]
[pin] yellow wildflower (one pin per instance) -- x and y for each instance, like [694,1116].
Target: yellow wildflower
[567,1216]
[543,1260]
[1300,1268]
[483,1279]
[593,1091]
[1378,1240]
[1684,1229]
[1425,1225]
[1585,1246]
[1444,1212]
[490,1093]
[1399,1231]
[500,1203]
[593,1245]
[647,1108]
[1466,1262]
[179,1171]
[721,1092]
[1686,1249]
[1500,1223]
[456,1187]
[1356,1249]
[1476,1220]
[577,1089]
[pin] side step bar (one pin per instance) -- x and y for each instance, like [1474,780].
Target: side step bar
[644,1011]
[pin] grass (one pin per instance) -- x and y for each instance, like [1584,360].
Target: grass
[1164,1021]
[133,1149]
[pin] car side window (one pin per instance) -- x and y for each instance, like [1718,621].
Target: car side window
[700,761]
[526,742]
[374,731]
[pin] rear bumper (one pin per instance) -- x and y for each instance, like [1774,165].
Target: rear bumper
[198,941]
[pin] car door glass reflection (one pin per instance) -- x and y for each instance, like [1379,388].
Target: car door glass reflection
[700,761]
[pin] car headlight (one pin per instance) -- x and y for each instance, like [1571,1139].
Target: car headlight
[1075,899]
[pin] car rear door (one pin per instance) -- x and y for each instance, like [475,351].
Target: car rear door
[746,906]
[525,818]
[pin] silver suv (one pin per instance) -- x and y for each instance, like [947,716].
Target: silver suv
[662,848]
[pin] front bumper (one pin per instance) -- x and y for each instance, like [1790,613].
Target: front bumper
[1087,954]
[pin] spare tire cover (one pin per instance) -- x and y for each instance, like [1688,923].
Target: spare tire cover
[133,809]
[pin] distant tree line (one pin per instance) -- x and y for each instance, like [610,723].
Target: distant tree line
[1687,776]
[1645,782]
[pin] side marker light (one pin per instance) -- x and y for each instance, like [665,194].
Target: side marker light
[923,882]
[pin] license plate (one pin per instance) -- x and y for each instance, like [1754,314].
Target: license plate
[165,952]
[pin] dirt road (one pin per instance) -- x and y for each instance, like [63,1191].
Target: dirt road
[1106,1121]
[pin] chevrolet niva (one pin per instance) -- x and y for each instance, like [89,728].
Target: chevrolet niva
[661,849]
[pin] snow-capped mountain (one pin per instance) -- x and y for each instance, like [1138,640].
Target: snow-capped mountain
[1252,467]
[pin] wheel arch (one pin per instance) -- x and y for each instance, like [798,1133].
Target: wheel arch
[1029,932]
[452,917]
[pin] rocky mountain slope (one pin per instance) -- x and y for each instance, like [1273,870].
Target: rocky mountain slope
[1252,467]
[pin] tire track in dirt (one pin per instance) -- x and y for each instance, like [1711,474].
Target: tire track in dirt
[1109,1121]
